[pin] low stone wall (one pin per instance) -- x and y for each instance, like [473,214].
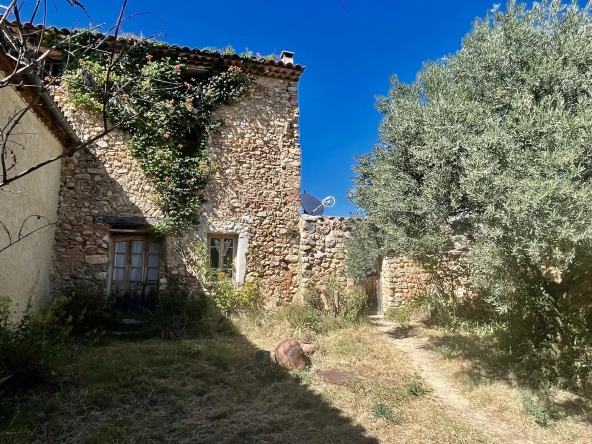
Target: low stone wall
[401,280]
[322,250]
[323,255]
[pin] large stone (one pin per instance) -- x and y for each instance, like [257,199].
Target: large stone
[95,259]
[289,354]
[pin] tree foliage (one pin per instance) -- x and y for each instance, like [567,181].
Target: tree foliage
[495,142]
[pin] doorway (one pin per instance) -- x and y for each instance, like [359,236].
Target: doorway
[135,269]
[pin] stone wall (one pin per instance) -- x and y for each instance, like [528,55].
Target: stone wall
[322,250]
[323,255]
[253,192]
[400,281]
[28,208]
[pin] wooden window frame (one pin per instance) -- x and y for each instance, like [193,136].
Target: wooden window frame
[126,282]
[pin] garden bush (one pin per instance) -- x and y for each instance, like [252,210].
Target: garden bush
[330,307]
[33,349]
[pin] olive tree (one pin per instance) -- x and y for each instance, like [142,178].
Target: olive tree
[495,143]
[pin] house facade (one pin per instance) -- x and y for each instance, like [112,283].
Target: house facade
[28,206]
[248,226]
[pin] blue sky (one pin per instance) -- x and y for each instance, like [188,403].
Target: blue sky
[349,58]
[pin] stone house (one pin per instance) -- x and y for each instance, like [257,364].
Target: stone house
[99,202]
[252,199]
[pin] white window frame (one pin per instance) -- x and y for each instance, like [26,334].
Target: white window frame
[223,236]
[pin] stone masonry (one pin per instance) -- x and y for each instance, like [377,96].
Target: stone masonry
[253,193]
[322,250]
[323,255]
[400,280]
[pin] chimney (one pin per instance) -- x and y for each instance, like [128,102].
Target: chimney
[287,57]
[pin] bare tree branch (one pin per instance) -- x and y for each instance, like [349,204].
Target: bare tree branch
[110,67]
[66,153]
[22,236]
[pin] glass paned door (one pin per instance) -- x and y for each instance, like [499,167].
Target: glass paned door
[136,265]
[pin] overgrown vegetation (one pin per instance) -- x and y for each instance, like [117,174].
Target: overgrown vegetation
[539,407]
[134,391]
[325,309]
[227,296]
[363,248]
[230,298]
[33,348]
[168,113]
[492,144]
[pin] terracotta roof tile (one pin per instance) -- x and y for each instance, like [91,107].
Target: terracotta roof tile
[198,58]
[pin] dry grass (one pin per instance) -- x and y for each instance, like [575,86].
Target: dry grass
[384,376]
[213,391]
[208,391]
[474,365]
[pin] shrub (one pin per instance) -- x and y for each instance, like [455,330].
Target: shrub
[337,301]
[304,319]
[325,309]
[230,298]
[92,312]
[180,314]
[354,304]
[540,407]
[33,348]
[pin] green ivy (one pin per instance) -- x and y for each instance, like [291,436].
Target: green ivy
[168,113]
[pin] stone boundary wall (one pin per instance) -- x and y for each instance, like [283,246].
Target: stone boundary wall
[323,255]
[401,280]
[322,250]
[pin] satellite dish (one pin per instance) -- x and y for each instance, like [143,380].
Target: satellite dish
[313,206]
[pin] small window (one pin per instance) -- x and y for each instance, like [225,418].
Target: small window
[222,252]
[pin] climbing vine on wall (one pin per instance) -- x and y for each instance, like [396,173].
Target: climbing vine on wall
[168,113]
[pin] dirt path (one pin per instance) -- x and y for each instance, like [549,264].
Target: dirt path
[443,390]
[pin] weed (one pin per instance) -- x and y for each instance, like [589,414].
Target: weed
[33,349]
[541,407]
[230,298]
[534,408]
[446,351]
[180,314]
[380,410]
[303,375]
[416,387]
[484,381]
[398,314]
